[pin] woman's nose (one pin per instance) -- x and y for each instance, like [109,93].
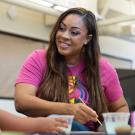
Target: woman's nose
[66,34]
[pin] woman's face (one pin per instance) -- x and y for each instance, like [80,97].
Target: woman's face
[71,36]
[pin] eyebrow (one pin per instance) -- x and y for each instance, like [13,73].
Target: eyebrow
[73,27]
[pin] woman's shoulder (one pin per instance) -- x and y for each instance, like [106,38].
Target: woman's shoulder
[106,68]
[38,52]
[105,64]
[37,56]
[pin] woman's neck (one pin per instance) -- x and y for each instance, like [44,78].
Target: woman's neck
[71,61]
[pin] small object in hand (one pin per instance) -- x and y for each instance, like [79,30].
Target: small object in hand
[123,130]
[85,104]
[99,121]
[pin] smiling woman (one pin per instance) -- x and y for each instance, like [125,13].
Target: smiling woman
[71,68]
[71,37]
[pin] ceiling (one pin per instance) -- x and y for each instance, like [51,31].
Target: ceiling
[118,18]
[114,17]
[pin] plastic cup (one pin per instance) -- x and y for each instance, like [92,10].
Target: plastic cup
[11,133]
[69,119]
[113,120]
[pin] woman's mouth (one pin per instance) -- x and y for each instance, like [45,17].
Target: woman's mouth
[63,45]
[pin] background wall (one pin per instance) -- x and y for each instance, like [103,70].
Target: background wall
[122,50]
[23,21]
[13,51]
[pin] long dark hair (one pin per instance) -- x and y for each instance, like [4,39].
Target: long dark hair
[54,86]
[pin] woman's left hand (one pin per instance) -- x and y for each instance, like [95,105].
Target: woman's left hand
[83,113]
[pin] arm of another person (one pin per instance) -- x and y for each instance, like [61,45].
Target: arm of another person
[10,122]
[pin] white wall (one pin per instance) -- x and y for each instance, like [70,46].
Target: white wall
[25,22]
[118,48]
[13,51]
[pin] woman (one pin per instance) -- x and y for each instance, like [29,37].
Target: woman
[56,81]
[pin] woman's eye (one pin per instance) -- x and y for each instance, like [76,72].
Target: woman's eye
[61,28]
[74,33]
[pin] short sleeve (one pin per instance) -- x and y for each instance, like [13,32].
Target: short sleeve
[110,81]
[33,68]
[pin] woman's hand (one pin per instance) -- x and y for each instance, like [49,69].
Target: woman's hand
[51,125]
[83,113]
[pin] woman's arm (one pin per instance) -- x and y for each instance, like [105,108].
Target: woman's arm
[26,102]
[12,122]
[119,106]
[112,88]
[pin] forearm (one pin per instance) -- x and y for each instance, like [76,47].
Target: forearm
[12,122]
[34,106]
[119,106]
[123,108]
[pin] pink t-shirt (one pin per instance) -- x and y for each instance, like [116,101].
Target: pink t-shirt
[34,67]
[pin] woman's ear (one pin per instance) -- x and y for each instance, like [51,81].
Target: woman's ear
[89,38]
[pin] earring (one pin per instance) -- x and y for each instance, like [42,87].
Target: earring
[85,43]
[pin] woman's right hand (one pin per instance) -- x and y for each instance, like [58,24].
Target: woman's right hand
[83,113]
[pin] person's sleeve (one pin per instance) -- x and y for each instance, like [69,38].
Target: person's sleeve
[110,82]
[32,69]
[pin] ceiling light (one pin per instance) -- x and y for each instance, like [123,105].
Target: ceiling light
[60,8]
[42,3]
